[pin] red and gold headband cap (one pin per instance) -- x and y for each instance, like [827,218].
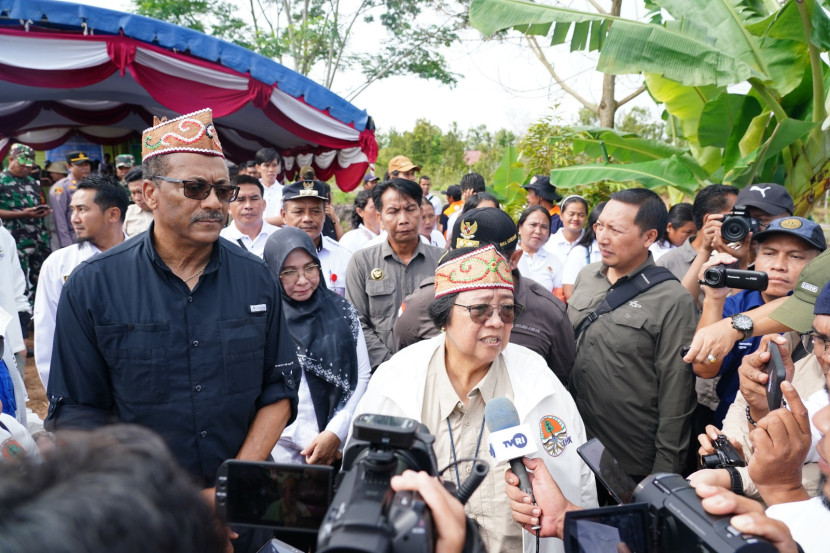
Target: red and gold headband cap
[193,132]
[478,269]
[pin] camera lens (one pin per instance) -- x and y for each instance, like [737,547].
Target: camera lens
[714,277]
[734,229]
[710,461]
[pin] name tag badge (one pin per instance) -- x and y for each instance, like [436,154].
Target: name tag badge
[258,308]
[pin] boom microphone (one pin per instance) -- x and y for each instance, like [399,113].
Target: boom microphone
[509,438]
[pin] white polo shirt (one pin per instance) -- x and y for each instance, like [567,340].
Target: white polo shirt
[54,272]
[273,199]
[239,238]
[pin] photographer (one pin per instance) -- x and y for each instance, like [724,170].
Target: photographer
[784,249]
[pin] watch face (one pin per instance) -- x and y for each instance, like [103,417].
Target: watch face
[742,322]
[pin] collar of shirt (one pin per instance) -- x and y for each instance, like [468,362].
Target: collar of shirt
[232,232]
[603,270]
[213,262]
[387,251]
[448,400]
[367,231]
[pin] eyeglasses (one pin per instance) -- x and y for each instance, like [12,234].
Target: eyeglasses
[810,341]
[292,276]
[481,312]
[200,189]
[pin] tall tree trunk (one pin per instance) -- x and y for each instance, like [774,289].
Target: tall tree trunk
[608,105]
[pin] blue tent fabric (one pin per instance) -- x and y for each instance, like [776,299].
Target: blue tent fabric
[173,37]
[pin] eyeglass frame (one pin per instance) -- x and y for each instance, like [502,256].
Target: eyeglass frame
[518,309]
[234,190]
[304,271]
[810,345]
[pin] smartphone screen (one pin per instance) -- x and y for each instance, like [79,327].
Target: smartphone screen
[607,529]
[777,374]
[608,471]
[289,497]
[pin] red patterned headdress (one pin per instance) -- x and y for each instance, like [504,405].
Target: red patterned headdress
[193,132]
[478,269]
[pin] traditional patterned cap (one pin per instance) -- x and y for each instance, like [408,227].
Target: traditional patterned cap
[22,154]
[472,269]
[193,133]
[124,160]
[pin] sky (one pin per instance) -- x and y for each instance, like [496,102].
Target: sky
[501,85]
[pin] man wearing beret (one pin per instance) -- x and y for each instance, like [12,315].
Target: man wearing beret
[200,352]
[22,211]
[60,196]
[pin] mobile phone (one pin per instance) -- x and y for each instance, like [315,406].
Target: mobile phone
[607,470]
[285,497]
[777,374]
[41,207]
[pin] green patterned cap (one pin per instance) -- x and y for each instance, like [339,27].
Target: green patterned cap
[22,154]
[124,160]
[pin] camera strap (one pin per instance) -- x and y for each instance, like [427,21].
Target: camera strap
[625,292]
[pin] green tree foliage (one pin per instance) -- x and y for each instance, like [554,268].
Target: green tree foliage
[440,154]
[317,37]
[773,133]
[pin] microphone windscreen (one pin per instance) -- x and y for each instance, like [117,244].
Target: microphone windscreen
[500,413]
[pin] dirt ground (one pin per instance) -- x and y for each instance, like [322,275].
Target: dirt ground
[37,394]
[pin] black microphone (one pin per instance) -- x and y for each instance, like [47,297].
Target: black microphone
[471,484]
[509,439]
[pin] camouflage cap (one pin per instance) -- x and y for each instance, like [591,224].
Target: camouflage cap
[124,160]
[22,154]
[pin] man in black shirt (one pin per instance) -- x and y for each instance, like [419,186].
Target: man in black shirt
[199,351]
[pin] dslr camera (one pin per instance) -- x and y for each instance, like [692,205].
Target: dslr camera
[725,455]
[721,276]
[737,224]
[366,515]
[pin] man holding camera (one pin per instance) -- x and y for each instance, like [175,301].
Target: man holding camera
[784,248]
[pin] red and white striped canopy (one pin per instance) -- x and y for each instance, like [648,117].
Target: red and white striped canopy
[69,69]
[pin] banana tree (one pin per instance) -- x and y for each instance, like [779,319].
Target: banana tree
[773,132]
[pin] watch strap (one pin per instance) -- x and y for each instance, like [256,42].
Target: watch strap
[737,481]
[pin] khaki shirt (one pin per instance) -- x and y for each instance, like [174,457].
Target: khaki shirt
[543,327]
[489,505]
[629,382]
[679,259]
[377,281]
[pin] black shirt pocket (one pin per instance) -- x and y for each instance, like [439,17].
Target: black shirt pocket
[136,354]
[243,352]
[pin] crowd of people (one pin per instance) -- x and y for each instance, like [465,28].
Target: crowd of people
[233,316]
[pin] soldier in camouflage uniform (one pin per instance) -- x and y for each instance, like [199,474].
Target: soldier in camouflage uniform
[22,210]
[123,164]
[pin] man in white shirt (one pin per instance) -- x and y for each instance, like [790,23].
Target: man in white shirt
[139,215]
[13,300]
[304,207]
[98,208]
[248,229]
[269,165]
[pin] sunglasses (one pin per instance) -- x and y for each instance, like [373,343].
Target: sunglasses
[481,312]
[200,189]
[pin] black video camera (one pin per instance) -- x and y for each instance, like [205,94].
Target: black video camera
[366,515]
[737,224]
[665,516]
[721,276]
[725,455]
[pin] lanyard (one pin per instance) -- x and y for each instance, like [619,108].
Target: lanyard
[452,445]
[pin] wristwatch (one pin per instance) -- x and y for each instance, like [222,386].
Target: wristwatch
[743,324]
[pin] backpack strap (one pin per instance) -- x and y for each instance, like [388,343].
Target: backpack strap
[625,292]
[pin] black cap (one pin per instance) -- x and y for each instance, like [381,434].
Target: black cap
[771,198]
[305,189]
[77,157]
[542,186]
[483,226]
